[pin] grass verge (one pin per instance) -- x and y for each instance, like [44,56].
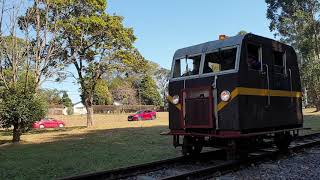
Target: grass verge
[113,143]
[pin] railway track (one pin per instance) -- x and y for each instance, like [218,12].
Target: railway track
[204,166]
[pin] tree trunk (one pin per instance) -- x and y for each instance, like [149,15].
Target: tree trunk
[89,108]
[89,116]
[16,133]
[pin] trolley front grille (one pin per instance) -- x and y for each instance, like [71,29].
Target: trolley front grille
[198,108]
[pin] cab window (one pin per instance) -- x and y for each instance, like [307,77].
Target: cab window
[279,62]
[221,60]
[254,57]
[187,66]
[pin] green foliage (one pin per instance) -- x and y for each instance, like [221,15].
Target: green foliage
[21,110]
[95,42]
[51,96]
[70,110]
[65,100]
[123,91]
[148,91]
[161,76]
[297,23]
[311,79]
[242,32]
[102,95]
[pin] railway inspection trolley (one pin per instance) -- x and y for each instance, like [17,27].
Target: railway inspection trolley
[236,92]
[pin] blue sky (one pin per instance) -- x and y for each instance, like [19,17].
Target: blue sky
[164,26]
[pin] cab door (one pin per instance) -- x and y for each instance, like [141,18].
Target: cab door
[280,77]
[258,80]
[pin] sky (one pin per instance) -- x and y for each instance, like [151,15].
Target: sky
[161,27]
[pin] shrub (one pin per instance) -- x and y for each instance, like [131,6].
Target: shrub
[20,111]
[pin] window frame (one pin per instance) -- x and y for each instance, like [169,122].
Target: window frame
[235,69]
[284,62]
[259,54]
[180,58]
[200,75]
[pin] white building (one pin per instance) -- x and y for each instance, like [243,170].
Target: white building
[79,108]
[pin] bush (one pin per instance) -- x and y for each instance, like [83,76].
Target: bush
[69,110]
[20,111]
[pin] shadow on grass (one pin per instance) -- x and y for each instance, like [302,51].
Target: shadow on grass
[4,141]
[95,150]
[8,132]
[313,122]
[40,131]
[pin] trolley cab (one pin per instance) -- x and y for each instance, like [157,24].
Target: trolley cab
[242,87]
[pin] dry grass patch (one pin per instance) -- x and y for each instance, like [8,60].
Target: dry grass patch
[75,127]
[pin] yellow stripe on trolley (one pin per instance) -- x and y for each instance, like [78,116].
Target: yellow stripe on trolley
[251,92]
[259,92]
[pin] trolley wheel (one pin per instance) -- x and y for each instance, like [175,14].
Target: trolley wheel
[191,146]
[282,141]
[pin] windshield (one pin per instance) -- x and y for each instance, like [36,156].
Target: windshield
[138,112]
[187,66]
[220,61]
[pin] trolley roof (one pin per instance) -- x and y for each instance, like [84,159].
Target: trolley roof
[209,46]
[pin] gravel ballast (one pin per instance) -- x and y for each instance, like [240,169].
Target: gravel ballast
[304,165]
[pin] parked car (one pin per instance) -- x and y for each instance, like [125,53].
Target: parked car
[48,123]
[143,115]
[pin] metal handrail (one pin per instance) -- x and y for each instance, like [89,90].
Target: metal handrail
[290,76]
[268,82]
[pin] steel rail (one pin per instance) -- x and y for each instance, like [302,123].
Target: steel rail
[140,169]
[133,171]
[227,166]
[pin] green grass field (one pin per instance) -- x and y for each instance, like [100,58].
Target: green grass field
[113,143]
[50,154]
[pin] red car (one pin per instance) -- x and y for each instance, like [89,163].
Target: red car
[143,115]
[48,123]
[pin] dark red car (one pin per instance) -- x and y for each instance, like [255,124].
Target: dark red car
[143,115]
[48,123]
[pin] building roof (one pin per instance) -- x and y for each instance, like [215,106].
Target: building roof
[77,103]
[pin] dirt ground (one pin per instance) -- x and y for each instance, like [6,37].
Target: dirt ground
[75,125]
[112,120]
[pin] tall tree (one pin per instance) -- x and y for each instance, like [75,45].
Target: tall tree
[149,91]
[161,77]
[65,100]
[20,106]
[52,96]
[102,96]
[95,43]
[297,23]
[44,50]
[123,91]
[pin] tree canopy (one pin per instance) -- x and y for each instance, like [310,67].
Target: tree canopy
[94,43]
[149,92]
[297,23]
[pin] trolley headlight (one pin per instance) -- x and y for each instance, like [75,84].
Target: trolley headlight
[175,99]
[225,96]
